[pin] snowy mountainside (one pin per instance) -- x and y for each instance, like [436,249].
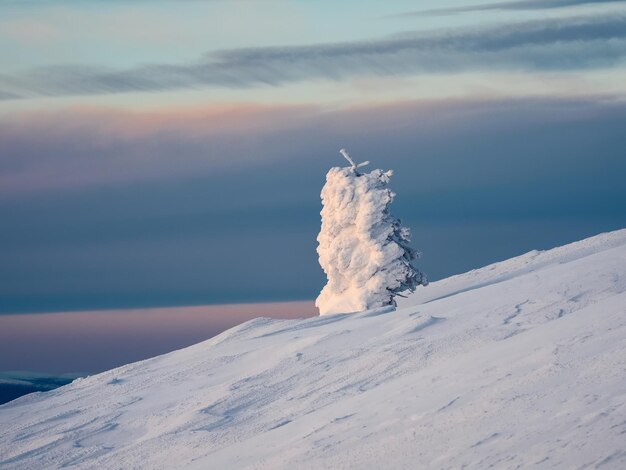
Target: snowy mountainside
[517,364]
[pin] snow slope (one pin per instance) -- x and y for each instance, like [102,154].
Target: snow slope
[518,364]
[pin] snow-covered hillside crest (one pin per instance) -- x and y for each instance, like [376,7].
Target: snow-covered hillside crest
[520,364]
[363,249]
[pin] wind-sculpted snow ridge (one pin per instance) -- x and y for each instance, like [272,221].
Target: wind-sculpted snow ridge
[516,365]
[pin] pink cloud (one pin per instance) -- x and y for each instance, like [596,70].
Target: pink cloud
[95,146]
[86,146]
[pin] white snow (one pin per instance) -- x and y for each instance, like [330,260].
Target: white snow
[362,249]
[519,364]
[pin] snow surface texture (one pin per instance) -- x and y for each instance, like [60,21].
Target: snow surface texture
[362,249]
[516,365]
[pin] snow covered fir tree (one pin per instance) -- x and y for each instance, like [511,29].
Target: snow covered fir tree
[363,249]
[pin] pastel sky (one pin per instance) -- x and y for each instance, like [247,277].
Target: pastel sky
[164,153]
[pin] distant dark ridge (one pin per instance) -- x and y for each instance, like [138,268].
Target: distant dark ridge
[23,385]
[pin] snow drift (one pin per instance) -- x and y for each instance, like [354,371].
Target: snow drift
[516,365]
[363,249]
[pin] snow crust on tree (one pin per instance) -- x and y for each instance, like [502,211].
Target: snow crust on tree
[363,249]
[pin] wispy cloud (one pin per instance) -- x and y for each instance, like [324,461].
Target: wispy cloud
[61,156]
[5,95]
[506,6]
[83,148]
[554,44]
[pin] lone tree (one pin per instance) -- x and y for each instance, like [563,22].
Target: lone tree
[363,249]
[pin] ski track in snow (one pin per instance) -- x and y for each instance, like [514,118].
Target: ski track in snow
[521,363]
